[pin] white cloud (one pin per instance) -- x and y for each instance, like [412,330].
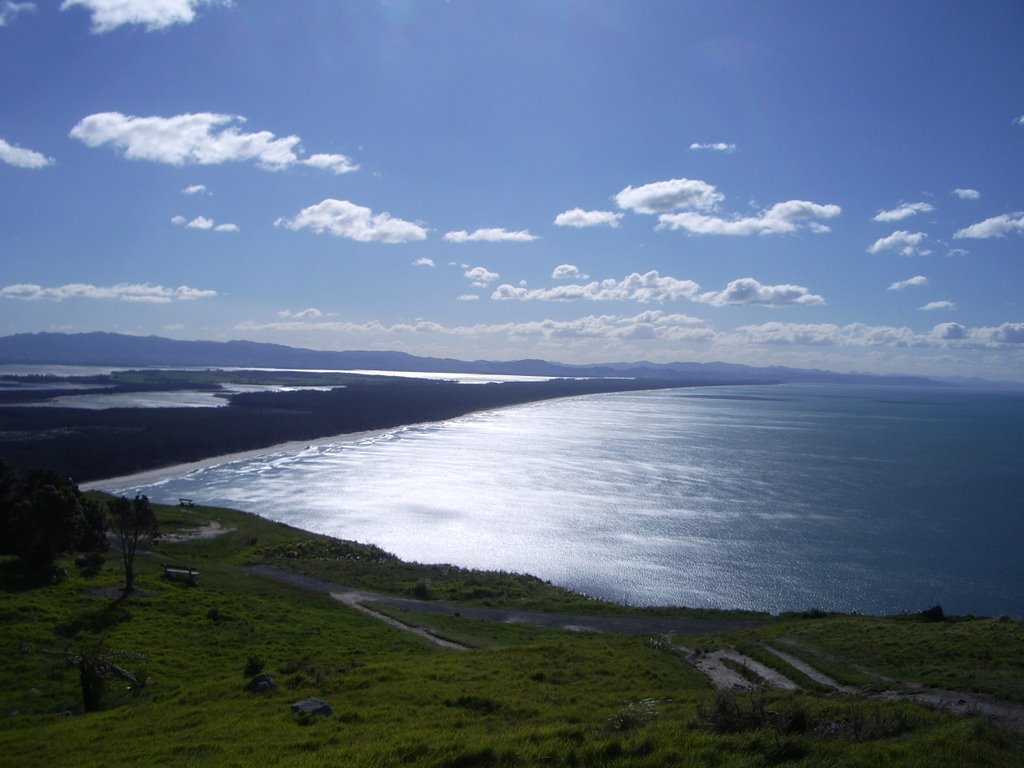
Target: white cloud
[635,287]
[916,280]
[933,305]
[306,314]
[468,297]
[949,331]
[1019,120]
[967,194]
[1007,333]
[957,252]
[344,219]
[202,138]
[108,15]
[651,325]
[331,162]
[203,223]
[10,10]
[825,334]
[194,189]
[568,272]
[423,261]
[907,243]
[781,218]
[997,226]
[671,195]
[200,222]
[492,235]
[133,292]
[23,158]
[747,290]
[716,147]
[903,211]
[577,217]
[481,277]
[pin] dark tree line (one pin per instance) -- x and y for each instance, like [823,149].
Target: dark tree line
[43,515]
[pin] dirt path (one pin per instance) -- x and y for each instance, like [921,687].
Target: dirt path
[639,625]
[720,669]
[355,599]
[724,676]
[819,677]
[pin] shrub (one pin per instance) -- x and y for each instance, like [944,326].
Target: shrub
[253,666]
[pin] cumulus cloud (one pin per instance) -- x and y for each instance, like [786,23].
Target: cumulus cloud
[651,325]
[671,195]
[344,219]
[967,194]
[577,217]
[202,138]
[903,211]
[492,235]
[781,218]
[997,226]
[9,11]
[906,243]
[951,335]
[568,272]
[108,15]
[305,314]
[423,261]
[132,292]
[23,158]
[648,287]
[949,331]
[716,147]
[825,334]
[481,277]
[194,189]
[916,280]
[747,290]
[204,223]
[933,305]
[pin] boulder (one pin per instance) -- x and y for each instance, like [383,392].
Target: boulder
[312,707]
[261,683]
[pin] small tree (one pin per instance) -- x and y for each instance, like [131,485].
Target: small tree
[95,666]
[133,523]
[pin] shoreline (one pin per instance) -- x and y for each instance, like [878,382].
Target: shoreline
[152,476]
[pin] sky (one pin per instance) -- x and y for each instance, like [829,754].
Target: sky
[811,184]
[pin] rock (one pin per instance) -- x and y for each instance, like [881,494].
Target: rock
[261,683]
[313,707]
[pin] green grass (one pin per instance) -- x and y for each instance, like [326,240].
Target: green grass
[528,696]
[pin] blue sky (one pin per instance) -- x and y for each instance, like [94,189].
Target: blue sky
[830,185]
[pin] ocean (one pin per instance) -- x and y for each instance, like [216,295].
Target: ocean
[771,498]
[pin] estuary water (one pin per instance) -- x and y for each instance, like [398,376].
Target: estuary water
[774,498]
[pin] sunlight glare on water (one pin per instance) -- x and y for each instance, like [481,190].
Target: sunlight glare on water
[769,498]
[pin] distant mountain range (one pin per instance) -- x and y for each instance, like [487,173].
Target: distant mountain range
[113,349]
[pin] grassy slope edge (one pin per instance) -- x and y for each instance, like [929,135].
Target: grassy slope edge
[528,696]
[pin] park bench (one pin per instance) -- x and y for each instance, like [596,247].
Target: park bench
[181,572]
[185,503]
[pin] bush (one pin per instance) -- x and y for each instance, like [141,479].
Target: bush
[932,614]
[253,666]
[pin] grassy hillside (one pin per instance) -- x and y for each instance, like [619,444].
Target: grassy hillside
[522,695]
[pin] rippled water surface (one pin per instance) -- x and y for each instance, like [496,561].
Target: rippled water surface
[772,498]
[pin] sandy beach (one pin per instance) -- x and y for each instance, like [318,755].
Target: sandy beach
[150,476]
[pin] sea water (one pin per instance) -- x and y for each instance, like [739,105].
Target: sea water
[774,498]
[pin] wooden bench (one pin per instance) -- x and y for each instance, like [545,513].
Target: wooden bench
[180,572]
[185,503]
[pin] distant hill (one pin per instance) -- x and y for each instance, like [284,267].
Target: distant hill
[113,349]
